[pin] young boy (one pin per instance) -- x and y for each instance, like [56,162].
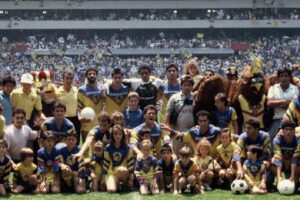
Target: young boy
[133,115]
[146,170]
[186,172]
[48,164]
[165,168]
[26,175]
[286,154]
[70,166]
[97,163]
[254,171]
[225,150]
[5,167]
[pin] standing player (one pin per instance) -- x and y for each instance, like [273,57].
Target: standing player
[90,95]
[116,93]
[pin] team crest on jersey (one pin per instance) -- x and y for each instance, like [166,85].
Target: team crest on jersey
[70,160]
[26,177]
[119,99]
[288,155]
[146,166]
[204,166]
[117,156]
[96,98]
[253,169]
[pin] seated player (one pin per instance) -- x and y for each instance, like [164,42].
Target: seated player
[225,166]
[286,153]
[48,165]
[205,163]
[186,172]
[5,167]
[255,171]
[165,168]
[98,183]
[146,170]
[26,173]
[70,166]
[118,163]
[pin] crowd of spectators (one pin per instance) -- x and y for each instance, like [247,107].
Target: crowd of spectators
[153,14]
[275,51]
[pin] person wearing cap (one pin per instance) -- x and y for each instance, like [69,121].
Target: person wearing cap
[279,97]
[167,89]
[286,153]
[147,87]
[27,98]
[183,104]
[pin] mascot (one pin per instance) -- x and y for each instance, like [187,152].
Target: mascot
[46,88]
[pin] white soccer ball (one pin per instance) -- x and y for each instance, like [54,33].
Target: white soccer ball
[239,186]
[286,187]
[88,113]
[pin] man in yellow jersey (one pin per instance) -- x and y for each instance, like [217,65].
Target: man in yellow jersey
[67,94]
[90,95]
[116,93]
[27,99]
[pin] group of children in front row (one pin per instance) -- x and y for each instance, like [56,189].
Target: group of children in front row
[115,166]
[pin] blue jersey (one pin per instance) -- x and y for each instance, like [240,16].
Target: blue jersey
[50,125]
[133,118]
[286,153]
[194,135]
[5,168]
[167,170]
[98,134]
[255,170]
[68,159]
[48,161]
[168,89]
[146,167]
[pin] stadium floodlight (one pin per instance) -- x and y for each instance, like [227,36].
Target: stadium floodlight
[175,11]
[208,11]
[44,12]
[1,12]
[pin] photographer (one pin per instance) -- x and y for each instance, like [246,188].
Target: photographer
[180,109]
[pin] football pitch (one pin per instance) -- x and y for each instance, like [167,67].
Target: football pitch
[215,194]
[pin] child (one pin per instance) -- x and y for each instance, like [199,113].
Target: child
[254,171]
[205,163]
[224,116]
[133,115]
[165,168]
[48,164]
[186,172]
[118,163]
[70,166]
[146,170]
[26,175]
[225,150]
[97,163]
[5,167]
[117,118]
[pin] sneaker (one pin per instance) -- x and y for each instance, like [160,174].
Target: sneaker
[207,187]
[193,190]
[220,182]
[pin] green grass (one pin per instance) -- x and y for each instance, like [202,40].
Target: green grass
[216,194]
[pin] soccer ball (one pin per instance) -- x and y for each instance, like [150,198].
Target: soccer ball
[286,187]
[239,186]
[88,113]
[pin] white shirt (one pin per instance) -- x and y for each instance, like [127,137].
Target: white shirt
[17,139]
[276,93]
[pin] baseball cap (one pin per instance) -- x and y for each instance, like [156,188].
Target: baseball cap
[26,78]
